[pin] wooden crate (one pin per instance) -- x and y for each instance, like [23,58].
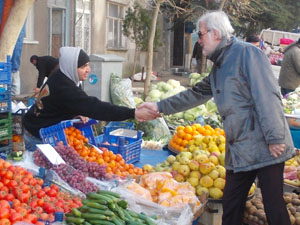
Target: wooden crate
[212,214]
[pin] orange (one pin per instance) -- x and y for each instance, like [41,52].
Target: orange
[184,143]
[179,128]
[195,133]
[188,129]
[188,137]
[118,157]
[179,141]
[207,133]
[180,133]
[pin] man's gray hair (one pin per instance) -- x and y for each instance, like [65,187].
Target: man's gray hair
[217,20]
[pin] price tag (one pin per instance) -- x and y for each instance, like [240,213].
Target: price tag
[50,153]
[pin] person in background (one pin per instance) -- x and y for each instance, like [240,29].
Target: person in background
[289,76]
[253,39]
[197,54]
[258,139]
[46,65]
[61,98]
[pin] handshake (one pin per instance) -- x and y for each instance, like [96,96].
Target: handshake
[147,111]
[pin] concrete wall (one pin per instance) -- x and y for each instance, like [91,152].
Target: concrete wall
[28,73]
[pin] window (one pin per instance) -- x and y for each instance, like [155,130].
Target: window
[29,26]
[115,38]
[83,25]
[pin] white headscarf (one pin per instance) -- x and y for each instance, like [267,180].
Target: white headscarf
[68,61]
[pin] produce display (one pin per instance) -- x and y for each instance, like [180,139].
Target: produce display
[106,207]
[209,138]
[30,201]
[161,188]
[292,171]
[255,214]
[292,101]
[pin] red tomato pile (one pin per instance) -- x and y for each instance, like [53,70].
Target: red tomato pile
[29,201]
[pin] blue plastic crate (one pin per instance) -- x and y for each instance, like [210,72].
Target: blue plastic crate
[5,102]
[5,71]
[296,137]
[129,148]
[56,133]
[117,125]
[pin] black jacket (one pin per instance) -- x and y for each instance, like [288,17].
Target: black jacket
[60,99]
[197,51]
[45,65]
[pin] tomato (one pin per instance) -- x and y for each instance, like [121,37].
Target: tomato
[4,188]
[59,204]
[55,187]
[3,194]
[12,168]
[16,203]
[52,193]
[59,209]
[25,188]
[33,192]
[40,181]
[4,213]
[5,222]
[31,217]
[48,207]
[9,197]
[46,189]
[13,183]
[40,202]
[25,180]
[29,175]
[4,204]
[24,197]
[33,203]
[41,194]
[33,182]
[39,210]
[5,181]
[22,211]
[9,175]
[14,217]
[1,185]
[44,216]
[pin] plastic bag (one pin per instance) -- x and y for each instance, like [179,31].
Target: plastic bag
[166,215]
[28,163]
[52,176]
[155,130]
[121,91]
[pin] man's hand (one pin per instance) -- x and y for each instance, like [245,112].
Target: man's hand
[276,149]
[36,90]
[147,111]
[83,119]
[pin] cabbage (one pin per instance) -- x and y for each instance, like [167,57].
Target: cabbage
[173,83]
[149,99]
[194,75]
[153,86]
[138,101]
[210,106]
[189,116]
[178,115]
[155,93]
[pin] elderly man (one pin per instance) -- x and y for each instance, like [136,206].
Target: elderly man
[289,77]
[247,95]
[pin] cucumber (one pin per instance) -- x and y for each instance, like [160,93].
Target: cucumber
[120,212]
[96,205]
[101,222]
[86,223]
[112,206]
[93,216]
[99,197]
[76,212]
[132,213]
[122,204]
[75,220]
[106,212]
[116,195]
[146,218]
[127,215]
[116,221]
[135,223]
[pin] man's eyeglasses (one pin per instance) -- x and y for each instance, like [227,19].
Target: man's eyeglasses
[200,35]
